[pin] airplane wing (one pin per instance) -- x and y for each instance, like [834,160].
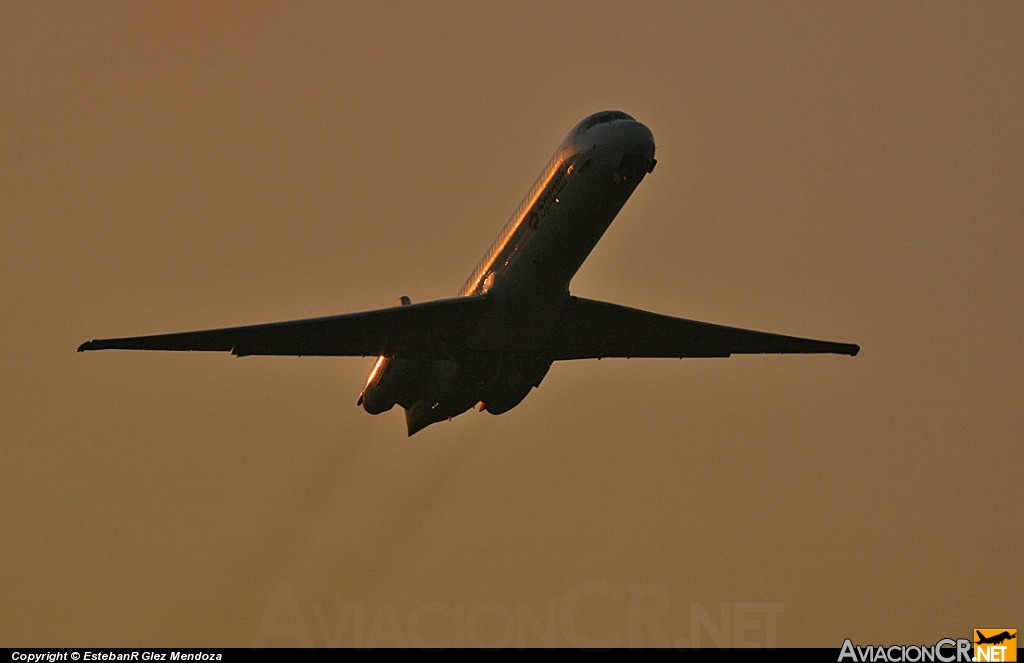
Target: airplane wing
[591,330]
[431,330]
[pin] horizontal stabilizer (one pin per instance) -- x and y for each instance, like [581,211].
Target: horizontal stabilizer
[431,330]
[591,330]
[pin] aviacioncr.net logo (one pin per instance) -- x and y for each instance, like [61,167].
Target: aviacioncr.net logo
[946,650]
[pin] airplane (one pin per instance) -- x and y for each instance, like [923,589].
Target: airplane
[997,639]
[496,340]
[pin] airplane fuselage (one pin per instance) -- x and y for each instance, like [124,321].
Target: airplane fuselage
[526,273]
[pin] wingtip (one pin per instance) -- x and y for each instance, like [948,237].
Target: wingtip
[854,350]
[84,346]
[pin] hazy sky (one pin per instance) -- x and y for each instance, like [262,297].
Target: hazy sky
[846,171]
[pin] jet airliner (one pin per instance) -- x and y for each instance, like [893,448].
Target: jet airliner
[496,340]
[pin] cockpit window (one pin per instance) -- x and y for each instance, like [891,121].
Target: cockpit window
[600,118]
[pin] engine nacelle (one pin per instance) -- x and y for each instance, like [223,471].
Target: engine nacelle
[388,378]
[512,383]
[376,397]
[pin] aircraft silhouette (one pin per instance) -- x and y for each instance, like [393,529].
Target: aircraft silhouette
[494,342]
[996,639]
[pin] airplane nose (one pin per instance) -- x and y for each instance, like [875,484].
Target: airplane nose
[635,143]
[622,137]
[635,138]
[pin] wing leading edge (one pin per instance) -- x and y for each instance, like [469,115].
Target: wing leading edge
[431,330]
[592,329]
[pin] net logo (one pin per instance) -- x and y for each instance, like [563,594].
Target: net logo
[992,644]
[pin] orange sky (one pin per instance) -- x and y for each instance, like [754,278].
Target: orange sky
[849,172]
